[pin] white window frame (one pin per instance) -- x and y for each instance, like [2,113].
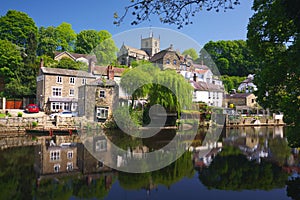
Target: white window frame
[102,112]
[56,168]
[83,81]
[72,92]
[69,166]
[70,154]
[72,80]
[101,145]
[102,94]
[57,93]
[55,155]
[59,79]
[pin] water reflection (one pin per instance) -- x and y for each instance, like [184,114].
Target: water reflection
[60,167]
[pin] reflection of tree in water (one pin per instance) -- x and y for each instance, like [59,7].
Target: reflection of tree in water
[183,167]
[293,188]
[231,170]
[16,176]
[66,187]
[293,136]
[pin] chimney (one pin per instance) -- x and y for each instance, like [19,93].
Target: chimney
[110,73]
[41,62]
[91,65]
[195,77]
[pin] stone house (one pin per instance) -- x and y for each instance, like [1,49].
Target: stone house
[97,99]
[243,102]
[57,89]
[128,54]
[167,59]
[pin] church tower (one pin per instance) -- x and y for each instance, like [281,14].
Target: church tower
[151,45]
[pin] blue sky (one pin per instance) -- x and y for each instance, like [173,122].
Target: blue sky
[98,15]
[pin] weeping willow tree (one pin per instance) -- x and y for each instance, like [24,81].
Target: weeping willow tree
[171,91]
[166,88]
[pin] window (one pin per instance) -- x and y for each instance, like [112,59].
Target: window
[174,62]
[70,154]
[72,80]
[102,94]
[56,91]
[101,145]
[83,81]
[58,79]
[168,61]
[72,92]
[69,166]
[55,155]
[56,168]
[102,113]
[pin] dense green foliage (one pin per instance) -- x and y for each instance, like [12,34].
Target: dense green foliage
[22,45]
[191,52]
[183,167]
[165,88]
[232,58]
[231,170]
[273,36]
[231,82]
[17,177]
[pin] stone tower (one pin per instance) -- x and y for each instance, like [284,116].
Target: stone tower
[151,45]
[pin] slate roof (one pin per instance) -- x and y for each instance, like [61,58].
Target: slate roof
[66,72]
[102,70]
[76,55]
[203,86]
[135,50]
[101,82]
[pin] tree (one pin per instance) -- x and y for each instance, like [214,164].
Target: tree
[10,64]
[106,50]
[66,37]
[16,27]
[273,36]
[86,41]
[232,58]
[67,63]
[191,52]
[47,41]
[176,12]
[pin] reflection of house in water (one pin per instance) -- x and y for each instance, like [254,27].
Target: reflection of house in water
[52,158]
[204,160]
[87,162]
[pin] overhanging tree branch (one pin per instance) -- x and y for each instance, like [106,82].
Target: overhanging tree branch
[178,12]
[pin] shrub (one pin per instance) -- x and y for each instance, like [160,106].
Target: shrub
[34,124]
[20,114]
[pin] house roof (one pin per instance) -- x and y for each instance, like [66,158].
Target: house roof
[75,56]
[102,70]
[203,86]
[162,53]
[202,67]
[102,82]
[237,95]
[66,72]
[135,50]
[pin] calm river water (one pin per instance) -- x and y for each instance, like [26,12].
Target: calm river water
[245,163]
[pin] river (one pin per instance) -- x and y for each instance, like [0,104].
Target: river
[243,163]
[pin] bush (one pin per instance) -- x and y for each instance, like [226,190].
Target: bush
[20,114]
[34,124]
